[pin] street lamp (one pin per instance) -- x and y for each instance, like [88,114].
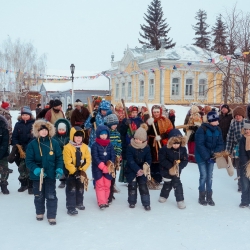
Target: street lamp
[72,69]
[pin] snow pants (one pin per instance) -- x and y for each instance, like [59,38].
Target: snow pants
[48,192]
[102,189]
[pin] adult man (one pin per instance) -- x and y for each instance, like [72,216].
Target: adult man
[38,108]
[55,113]
[69,112]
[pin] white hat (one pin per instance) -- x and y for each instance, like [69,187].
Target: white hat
[62,126]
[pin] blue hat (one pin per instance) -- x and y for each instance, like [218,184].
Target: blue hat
[104,132]
[26,110]
[104,105]
[212,116]
[100,129]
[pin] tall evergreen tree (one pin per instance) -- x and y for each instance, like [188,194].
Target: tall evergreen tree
[203,39]
[220,36]
[156,32]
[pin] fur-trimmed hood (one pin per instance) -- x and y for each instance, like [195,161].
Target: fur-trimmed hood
[66,122]
[3,122]
[78,103]
[37,125]
[176,136]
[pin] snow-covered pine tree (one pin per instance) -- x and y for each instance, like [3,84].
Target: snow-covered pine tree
[219,44]
[203,39]
[157,29]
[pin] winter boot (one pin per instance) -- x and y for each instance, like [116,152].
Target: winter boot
[30,187]
[132,205]
[4,187]
[80,207]
[181,204]
[147,208]
[102,206]
[24,185]
[62,184]
[72,211]
[39,217]
[52,222]
[202,200]
[242,205]
[210,201]
[162,199]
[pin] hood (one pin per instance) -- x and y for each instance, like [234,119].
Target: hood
[66,122]
[73,130]
[3,122]
[175,136]
[100,129]
[37,124]
[105,105]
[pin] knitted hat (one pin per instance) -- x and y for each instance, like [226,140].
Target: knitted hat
[103,132]
[238,111]
[26,110]
[57,103]
[225,106]
[140,134]
[62,126]
[100,128]
[5,105]
[247,124]
[111,120]
[207,109]
[104,105]
[212,116]
[78,102]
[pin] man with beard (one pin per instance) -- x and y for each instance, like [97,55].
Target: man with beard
[163,126]
[55,113]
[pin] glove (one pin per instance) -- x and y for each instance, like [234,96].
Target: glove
[150,121]
[59,173]
[211,160]
[37,171]
[92,120]
[128,121]
[158,138]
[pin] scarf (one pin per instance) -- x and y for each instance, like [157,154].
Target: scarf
[102,142]
[247,146]
[138,145]
[75,144]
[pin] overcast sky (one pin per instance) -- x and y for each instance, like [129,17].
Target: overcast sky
[86,32]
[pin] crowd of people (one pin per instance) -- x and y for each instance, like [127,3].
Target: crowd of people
[145,146]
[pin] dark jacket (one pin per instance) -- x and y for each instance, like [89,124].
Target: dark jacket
[244,155]
[224,124]
[42,113]
[78,117]
[97,153]
[22,133]
[208,140]
[49,162]
[4,137]
[135,160]
[38,110]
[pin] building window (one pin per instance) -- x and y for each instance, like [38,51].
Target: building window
[123,90]
[189,87]
[175,86]
[151,88]
[117,91]
[202,87]
[141,89]
[129,90]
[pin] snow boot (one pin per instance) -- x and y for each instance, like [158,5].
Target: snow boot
[62,184]
[147,208]
[24,185]
[162,199]
[102,206]
[72,211]
[4,187]
[39,217]
[52,222]
[132,205]
[202,200]
[80,207]
[210,201]
[242,205]
[181,204]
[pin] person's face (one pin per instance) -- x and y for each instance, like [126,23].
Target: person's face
[156,113]
[61,131]
[176,145]
[96,107]
[113,127]
[224,110]
[25,117]
[103,136]
[238,118]
[78,139]
[78,107]
[43,132]
[70,107]
[138,141]
[247,131]
[134,113]
[103,112]
[215,123]
[58,107]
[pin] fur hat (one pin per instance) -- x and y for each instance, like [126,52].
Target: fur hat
[141,134]
[57,103]
[43,124]
[78,102]
[26,110]
[212,116]
[104,105]
[175,136]
[194,109]
[118,106]
[111,120]
[207,109]
[5,105]
[239,111]
[62,125]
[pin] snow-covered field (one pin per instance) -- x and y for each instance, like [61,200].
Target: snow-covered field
[224,226]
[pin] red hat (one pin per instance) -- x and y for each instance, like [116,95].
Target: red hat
[5,105]
[133,108]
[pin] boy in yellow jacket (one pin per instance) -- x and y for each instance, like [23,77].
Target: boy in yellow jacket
[76,158]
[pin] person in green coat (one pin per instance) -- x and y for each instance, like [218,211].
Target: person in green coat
[45,162]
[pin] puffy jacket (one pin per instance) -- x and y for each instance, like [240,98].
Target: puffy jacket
[244,154]
[4,137]
[208,140]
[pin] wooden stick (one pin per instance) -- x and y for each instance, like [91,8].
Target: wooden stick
[150,115]
[91,111]
[41,180]
[126,114]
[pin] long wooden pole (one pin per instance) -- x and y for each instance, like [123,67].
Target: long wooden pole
[91,111]
[126,115]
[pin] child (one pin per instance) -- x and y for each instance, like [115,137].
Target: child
[115,139]
[138,153]
[22,135]
[4,152]
[102,151]
[45,162]
[62,137]
[173,154]
[76,158]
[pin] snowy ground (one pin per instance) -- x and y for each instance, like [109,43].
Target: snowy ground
[224,226]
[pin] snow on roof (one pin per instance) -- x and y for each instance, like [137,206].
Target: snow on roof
[100,83]
[64,72]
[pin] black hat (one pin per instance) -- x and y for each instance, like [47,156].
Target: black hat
[212,116]
[57,103]
[43,127]
[225,106]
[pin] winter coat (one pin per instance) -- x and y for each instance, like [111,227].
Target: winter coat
[172,119]
[224,124]
[22,133]
[78,117]
[4,137]
[49,162]
[208,140]
[97,153]
[68,114]
[38,110]
[244,155]
[7,116]
[135,160]
[42,114]
[69,155]
[58,115]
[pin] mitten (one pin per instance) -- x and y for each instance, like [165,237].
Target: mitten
[37,171]
[92,120]
[103,167]
[158,138]
[59,173]
[150,121]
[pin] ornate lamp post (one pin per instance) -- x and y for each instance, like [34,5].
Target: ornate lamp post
[72,69]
